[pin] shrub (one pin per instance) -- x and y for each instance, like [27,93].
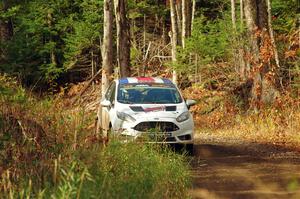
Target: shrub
[46,151]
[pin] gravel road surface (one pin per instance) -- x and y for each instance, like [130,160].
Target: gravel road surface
[234,169]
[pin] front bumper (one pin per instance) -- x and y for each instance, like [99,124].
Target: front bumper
[183,135]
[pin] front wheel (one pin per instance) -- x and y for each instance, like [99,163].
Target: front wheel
[189,149]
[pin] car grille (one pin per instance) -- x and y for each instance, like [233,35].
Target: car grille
[156,126]
[170,139]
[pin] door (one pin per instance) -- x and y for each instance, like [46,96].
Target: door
[107,111]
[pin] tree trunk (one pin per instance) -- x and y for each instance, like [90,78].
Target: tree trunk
[245,65]
[250,10]
[235,44]
[144,35]
[184,22]
[193,14]
[189,10]
[233,15]
[107,60]
[93,68]
[271,32]
[178,10]
[53,59]
[238,55]
[262,15]
[164,35]
[251,13]
[107,49]
[6,29]
[263,89]
[173,37]
[242,13]
[182,80]
[123,38]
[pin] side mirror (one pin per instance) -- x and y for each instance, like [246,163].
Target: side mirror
[105,103]
[190,103]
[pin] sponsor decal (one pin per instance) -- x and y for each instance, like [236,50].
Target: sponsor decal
[154,109]
[160,108]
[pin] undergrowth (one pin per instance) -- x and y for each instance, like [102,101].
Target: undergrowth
[48,151]
[218,113]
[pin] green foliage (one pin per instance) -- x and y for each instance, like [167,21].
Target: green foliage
[119,171]
[139,171]
[210,42]
[284,15]
[50,36]
[11,12]
[86,32]
[71,180]
[137,9]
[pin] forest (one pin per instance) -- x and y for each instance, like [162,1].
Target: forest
[239,59]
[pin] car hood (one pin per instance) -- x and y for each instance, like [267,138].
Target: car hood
[150,111]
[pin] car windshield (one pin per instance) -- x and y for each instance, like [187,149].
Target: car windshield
[148,94]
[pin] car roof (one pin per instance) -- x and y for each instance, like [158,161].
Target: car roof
[144,80]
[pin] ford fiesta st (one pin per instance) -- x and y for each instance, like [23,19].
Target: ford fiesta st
[150,109]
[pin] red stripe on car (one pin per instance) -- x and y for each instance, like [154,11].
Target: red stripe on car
[145,80]
[153,109]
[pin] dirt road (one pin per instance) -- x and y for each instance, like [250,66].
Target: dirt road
[234,169]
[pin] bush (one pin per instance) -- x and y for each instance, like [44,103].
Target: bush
[46,152]
[140,171]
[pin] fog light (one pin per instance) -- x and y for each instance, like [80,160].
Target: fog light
[185,137]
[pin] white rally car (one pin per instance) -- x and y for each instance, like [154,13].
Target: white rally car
[150,109]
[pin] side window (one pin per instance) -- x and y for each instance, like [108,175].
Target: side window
[113,94]
[110,92]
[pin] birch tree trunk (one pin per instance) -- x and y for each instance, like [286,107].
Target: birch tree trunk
[242,13]
[107,61]
[239,61]
[233,15]
[184,22]
[93,68]
[246,67]
[193,14]
[173,37]
[123,38]
[107,48]
[234,38]
[271,32]
[144,35]
[52,52]
[6,29]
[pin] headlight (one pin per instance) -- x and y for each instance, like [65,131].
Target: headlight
[125,116]
[183,117]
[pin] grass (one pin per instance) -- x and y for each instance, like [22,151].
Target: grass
[49,151]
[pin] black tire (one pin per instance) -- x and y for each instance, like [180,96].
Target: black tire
[189,149]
